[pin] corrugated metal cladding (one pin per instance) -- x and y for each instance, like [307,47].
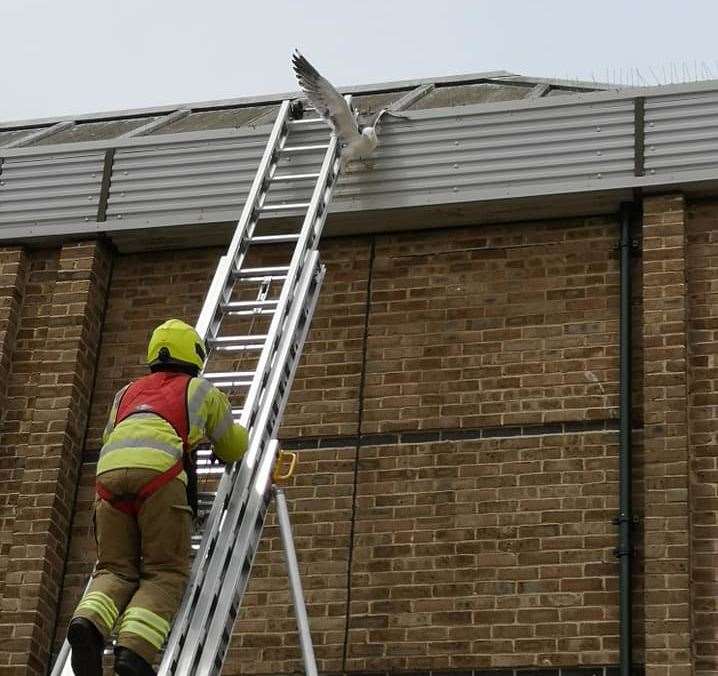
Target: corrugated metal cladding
[56,188]
[528,151]
[439,156]
[184,180]
[681,133]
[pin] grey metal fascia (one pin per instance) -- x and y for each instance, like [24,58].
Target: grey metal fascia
[391,202]
[39,134]
[262,99]
[155,124]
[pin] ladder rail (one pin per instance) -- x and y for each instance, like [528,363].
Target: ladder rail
[245,225]
[331,162]
[308,239]
[241,477]
[238,519]
[295,583]
[210,307]
[236,480]
[244,546]
[216,295]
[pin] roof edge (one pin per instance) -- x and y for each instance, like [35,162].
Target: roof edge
[500,76]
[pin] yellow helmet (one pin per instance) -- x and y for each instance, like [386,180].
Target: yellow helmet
[175,342]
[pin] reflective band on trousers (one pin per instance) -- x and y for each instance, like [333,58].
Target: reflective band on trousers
[145,624]
[102,605]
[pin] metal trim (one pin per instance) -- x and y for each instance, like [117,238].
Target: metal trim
[639,143]
[411,98]
[105,185]
[156,124]
[539,91]
[37,135]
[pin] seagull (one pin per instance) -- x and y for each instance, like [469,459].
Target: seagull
[357,141]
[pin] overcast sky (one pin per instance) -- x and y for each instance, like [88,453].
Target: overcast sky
[80,56]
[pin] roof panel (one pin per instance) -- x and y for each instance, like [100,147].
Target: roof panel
[373,103]
[464,95]
[94,131]
[227,118]
[557,91]
[9,136]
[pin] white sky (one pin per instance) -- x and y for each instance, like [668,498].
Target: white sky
[79,56]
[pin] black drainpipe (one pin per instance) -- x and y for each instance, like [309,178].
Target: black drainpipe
[624,521]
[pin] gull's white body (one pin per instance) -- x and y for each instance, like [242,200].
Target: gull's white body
[361,147]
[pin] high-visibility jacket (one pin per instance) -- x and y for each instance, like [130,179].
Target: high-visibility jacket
[146,440]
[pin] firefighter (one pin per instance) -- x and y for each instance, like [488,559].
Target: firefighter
[146,495]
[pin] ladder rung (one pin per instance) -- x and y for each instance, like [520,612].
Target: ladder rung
[254,273]
[219,375]
[236,340]
[305,149]
[247,313]
[295,177]
[236,347]
[206,468]
[228,380]
[274,239]
[232,383]
[249,307]
[308,120]
[285,207]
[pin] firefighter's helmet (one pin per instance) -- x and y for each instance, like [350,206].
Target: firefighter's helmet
[175,342]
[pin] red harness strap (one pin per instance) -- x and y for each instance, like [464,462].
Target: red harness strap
[132,504]
[165,395]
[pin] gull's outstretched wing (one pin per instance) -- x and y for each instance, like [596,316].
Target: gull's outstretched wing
[330,104]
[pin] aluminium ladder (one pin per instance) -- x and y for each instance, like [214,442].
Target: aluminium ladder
[220,572]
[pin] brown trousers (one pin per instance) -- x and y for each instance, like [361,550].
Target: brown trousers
[142,565]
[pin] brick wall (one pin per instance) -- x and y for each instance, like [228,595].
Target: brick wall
[493,326]
[22,379]
[13,273]
[485,553]
[13,279]
[703,431]
[666,470]
[453,510]
[62,372]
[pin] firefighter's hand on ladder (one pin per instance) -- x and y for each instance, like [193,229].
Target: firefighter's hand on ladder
[284,466]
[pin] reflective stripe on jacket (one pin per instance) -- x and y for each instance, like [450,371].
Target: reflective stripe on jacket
[146,441]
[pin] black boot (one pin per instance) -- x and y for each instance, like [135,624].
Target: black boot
[129,663]
[87,645]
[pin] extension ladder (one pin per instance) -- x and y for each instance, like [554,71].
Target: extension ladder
[220,572]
